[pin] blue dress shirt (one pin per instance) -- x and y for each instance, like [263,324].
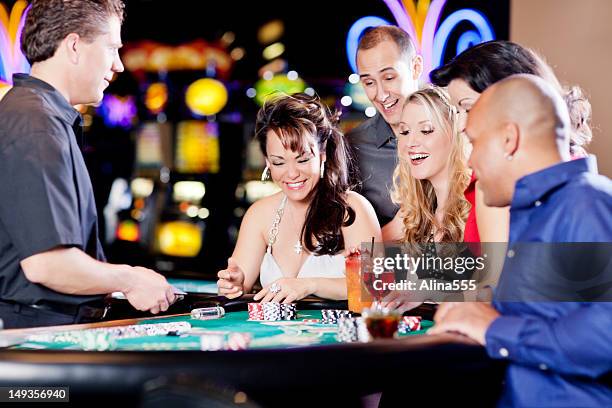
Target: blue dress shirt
[559,353]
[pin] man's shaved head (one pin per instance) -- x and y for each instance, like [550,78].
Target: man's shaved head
[518,126]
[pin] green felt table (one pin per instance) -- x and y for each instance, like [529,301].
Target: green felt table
[263,334]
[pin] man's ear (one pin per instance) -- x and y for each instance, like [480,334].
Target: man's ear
[417,67]
[512,138]
[72,46]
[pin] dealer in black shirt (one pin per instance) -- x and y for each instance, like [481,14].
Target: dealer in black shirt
[47,200]
[52,268]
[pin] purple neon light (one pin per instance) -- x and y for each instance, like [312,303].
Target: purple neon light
[5,53]
[118,111]
[20,62]
[429,31]
[13,59]
[402,18]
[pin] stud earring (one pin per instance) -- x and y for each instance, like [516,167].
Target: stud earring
[322,168]
[508,156]
[265,174]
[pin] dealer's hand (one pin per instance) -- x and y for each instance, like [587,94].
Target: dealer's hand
[286,290]
[147,290]
[471,319]
[231,280]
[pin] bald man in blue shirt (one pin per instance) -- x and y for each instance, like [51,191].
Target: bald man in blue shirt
[559,352]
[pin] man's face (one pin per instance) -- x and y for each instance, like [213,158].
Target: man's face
[487,158]
[388,78]
[99,61]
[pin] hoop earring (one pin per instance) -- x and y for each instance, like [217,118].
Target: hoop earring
[322,168]
[265,174]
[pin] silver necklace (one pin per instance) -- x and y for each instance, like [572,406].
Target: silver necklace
[297,248]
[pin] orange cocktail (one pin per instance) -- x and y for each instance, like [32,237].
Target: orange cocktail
[354,286]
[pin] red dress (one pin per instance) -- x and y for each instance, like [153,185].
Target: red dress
[470,233]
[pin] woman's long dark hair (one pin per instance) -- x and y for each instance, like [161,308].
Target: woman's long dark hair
[293,117]
[484,64]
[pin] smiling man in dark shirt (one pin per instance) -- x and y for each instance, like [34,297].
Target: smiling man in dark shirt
[389,69]
[52,268]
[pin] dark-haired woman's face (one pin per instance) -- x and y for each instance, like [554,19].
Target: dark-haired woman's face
[463,97]
[297,174]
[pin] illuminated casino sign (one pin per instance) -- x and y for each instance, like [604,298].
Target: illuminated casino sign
[150,56]
[421,20]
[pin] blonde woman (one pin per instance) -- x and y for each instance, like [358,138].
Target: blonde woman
[429,184]
[430,179]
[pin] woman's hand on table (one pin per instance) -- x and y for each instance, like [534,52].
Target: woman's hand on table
[401,301]
[231,280]
[288,290]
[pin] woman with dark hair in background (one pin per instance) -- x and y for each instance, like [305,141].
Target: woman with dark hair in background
[473,71]
[296,239]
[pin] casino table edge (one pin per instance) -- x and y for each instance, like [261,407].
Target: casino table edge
[285,368]
[298,368]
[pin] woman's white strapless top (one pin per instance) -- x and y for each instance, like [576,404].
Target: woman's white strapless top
[321,266]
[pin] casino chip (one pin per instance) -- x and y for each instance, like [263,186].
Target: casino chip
[331,316]
[213,341]
[272,311]
[104,338]
[255,311]
[352,329]
[409,324]
[221,340]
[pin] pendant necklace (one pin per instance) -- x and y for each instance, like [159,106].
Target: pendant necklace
[297,248]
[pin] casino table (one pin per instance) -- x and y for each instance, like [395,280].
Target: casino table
[285,361]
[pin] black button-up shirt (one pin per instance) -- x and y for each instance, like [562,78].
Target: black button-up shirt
[375,147]
[46,197]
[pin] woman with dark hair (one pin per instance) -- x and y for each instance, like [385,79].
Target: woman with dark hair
[296,239]
[467,76]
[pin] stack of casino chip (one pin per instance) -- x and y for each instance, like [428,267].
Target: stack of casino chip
[272,311]
[255,311]
[213,341]
[104,338]
[238,341]
[331,316]
[352,329]
[409,324]
[289,311]
[221,340]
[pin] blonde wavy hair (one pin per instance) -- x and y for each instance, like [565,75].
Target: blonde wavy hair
[417,198]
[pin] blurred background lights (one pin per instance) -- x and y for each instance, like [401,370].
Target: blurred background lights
[156,97]
[237,53]
[346,100]
[206,96]
[270,32]
[292,75]
[273,51]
